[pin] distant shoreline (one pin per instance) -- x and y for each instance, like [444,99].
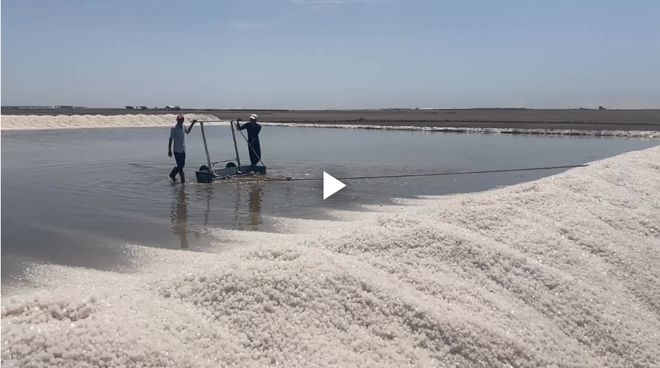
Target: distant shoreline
[539,119]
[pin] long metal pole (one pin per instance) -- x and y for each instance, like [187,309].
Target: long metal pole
[233,135]
[206,148]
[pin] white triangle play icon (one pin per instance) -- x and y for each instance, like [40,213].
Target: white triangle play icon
[331,185]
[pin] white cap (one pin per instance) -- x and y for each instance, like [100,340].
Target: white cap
[253,116]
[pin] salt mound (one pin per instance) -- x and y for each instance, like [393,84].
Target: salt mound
[36,122]
[558,272]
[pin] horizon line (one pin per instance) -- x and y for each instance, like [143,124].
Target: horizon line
[136,107]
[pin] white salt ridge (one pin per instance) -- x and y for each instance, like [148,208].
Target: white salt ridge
[558,272]
[45,122]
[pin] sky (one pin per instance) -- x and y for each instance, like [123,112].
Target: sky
[324,54]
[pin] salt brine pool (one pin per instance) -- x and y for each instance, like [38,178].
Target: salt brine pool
[74,197]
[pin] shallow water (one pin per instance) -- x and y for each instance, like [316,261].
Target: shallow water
[74,197]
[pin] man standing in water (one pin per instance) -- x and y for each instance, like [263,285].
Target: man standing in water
[178,138]
[254,147]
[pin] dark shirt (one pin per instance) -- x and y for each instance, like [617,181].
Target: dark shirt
[253,130]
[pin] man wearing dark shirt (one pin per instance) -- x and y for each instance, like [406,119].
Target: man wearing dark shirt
[253,128]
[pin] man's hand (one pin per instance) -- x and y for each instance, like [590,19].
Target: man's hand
[169,153]
[194,121]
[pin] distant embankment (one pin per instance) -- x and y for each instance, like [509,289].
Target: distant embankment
[527,121]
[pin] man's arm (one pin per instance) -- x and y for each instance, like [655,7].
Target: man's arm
[188,129]
[238,124]
[169,148]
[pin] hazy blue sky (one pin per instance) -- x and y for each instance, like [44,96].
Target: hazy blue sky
[332,53]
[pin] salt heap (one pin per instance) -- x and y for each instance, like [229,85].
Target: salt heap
[38,122]
[558,272]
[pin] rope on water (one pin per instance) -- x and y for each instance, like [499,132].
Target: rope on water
[393,176]
[434,174]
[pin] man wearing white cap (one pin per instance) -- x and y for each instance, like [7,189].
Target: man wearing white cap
[253,128]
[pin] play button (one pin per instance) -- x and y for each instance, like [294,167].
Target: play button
[331,185]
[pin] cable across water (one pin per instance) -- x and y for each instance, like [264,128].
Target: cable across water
[434,174]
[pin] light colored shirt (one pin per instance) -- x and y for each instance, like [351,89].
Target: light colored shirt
[177,134]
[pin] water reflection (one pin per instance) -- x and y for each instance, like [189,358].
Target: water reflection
[256,191]
[209,209]
[253,218]
[179,215]
[206,192]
